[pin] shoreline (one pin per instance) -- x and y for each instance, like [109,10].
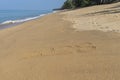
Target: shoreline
[10,23]
[59,47]
[5,26]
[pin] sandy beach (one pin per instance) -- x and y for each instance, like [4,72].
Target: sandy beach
[81,44]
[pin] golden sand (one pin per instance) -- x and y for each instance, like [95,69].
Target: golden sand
[72,45]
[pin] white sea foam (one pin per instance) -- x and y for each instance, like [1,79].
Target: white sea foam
[21,20]
[26,19]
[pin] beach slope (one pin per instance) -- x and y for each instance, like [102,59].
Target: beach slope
[80,44]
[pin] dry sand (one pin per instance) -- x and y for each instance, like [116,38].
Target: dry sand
[81,44]
[104,18]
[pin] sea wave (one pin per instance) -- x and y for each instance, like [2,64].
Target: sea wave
[22,20]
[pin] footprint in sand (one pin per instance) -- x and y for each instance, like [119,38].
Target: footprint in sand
[83,47]
[102,28]
[117,31]
[62,50]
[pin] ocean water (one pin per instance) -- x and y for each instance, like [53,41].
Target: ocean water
[18,16]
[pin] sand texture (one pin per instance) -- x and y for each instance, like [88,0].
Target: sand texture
[82,44]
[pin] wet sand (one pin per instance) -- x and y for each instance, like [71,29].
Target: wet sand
[4,26]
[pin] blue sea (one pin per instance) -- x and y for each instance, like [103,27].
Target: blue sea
[18,16]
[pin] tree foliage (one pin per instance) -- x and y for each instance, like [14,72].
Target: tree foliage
[82,3]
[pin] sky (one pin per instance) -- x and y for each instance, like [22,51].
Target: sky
[30,4]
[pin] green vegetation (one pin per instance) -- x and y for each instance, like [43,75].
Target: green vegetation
[68,5]
[71,4]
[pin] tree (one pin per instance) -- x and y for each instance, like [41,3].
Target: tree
[68,4]
[83,3]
